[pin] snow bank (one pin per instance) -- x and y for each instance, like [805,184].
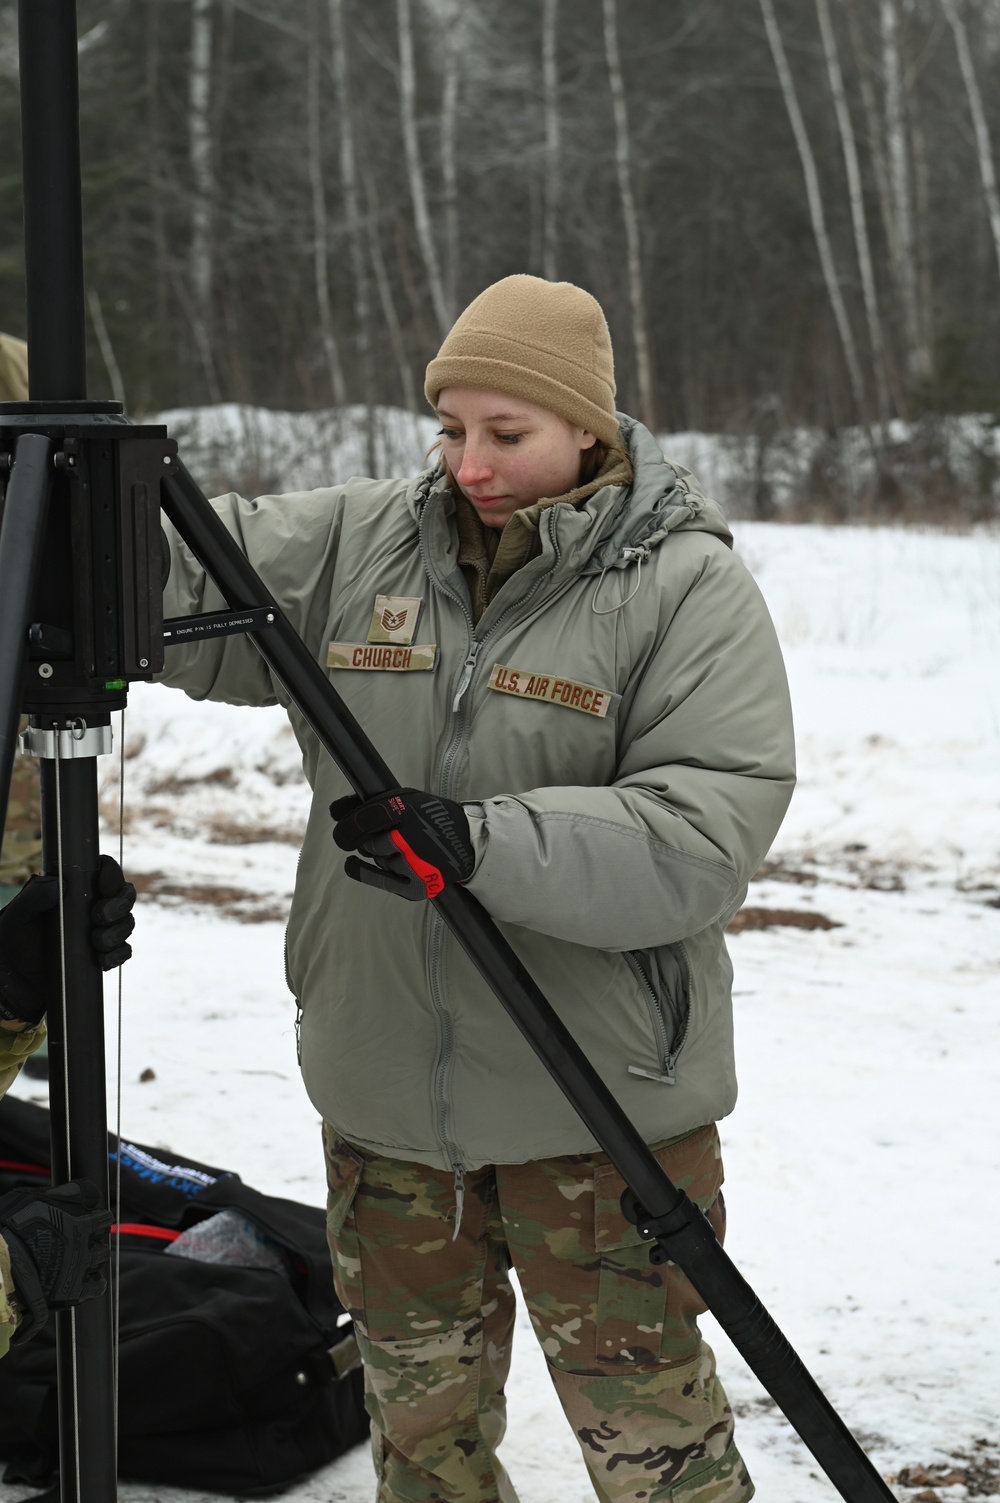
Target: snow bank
[945,461]
[257,451]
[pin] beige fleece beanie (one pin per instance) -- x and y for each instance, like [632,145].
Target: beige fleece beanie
[545,342]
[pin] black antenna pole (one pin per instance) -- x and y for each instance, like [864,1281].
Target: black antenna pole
[57,380]
[53,204]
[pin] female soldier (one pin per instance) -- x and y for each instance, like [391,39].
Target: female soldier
[549,638]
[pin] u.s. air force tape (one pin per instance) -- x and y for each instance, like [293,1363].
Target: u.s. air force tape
[554,691]
[388,658]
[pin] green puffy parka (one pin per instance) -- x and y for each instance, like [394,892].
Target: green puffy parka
[618,722]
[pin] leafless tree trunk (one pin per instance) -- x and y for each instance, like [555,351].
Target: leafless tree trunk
[815,199]
[319,215]
[106,347]
[154,157]
[352,215]
[922,216]
[856,194]
[550,107]
[873,123]
[415,171]
[203,184]
[623,166]
[901,192]
[388,302]
[451,52]
[984,149]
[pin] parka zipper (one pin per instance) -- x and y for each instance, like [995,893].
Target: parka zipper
[667,1075]
[476,646]
[443,1067]
[680,954]
[667,1056]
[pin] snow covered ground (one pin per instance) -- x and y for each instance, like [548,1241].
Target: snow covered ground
[863,1159]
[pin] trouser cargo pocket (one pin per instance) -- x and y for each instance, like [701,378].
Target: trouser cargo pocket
[647,1313]
[344,1168]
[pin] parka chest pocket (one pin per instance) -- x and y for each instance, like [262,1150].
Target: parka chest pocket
[646,1313]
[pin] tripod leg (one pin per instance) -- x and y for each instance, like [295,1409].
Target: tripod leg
[84,1336]
[21,536]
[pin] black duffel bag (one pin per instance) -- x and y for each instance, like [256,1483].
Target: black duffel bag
[231,1379]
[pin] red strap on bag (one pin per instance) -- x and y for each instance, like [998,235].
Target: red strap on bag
[137,1229]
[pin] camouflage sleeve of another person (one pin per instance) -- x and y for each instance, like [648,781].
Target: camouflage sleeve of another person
[16,1043]
[13,369]
[15,1046]
[8,1315]
[21,856]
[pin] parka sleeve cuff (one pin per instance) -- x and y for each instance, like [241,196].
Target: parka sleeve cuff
[478,831]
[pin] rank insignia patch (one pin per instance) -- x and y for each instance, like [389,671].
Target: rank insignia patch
[394,618]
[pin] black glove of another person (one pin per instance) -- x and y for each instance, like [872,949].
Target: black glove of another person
[58,1246]
[29,929]
[420,842]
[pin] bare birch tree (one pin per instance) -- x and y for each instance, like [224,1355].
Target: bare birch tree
[550,109]
[387,300]
[874,128]
[623,168]
[202,161]
[415,171]
[155,160]
[451,52]
[352,215]
[815,199]
[321,237]
[855,190]
[901,194]
[105,346]
[984,148]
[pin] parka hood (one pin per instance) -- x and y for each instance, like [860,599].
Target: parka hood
[664,497]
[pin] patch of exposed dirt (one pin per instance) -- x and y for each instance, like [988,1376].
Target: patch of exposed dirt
[772,918]
[781,871]
[229,832]
[978,1471]
[851,866]
[135,745]
[222,777]
[235,902]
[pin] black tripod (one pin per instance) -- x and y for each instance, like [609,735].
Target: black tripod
[81,616]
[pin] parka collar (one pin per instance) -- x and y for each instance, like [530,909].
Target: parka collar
[612,529]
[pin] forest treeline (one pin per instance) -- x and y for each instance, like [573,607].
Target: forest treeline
[788,208]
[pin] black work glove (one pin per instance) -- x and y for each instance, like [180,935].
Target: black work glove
[29,929]
[421,842]
[58,1245]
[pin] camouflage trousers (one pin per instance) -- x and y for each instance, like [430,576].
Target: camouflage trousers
[434,1316]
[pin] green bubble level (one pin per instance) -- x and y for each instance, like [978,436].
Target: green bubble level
[114,684]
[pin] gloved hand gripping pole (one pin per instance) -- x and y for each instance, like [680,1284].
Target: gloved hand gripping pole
[676,1228]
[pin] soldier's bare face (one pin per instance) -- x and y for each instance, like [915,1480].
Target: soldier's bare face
[506,454]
